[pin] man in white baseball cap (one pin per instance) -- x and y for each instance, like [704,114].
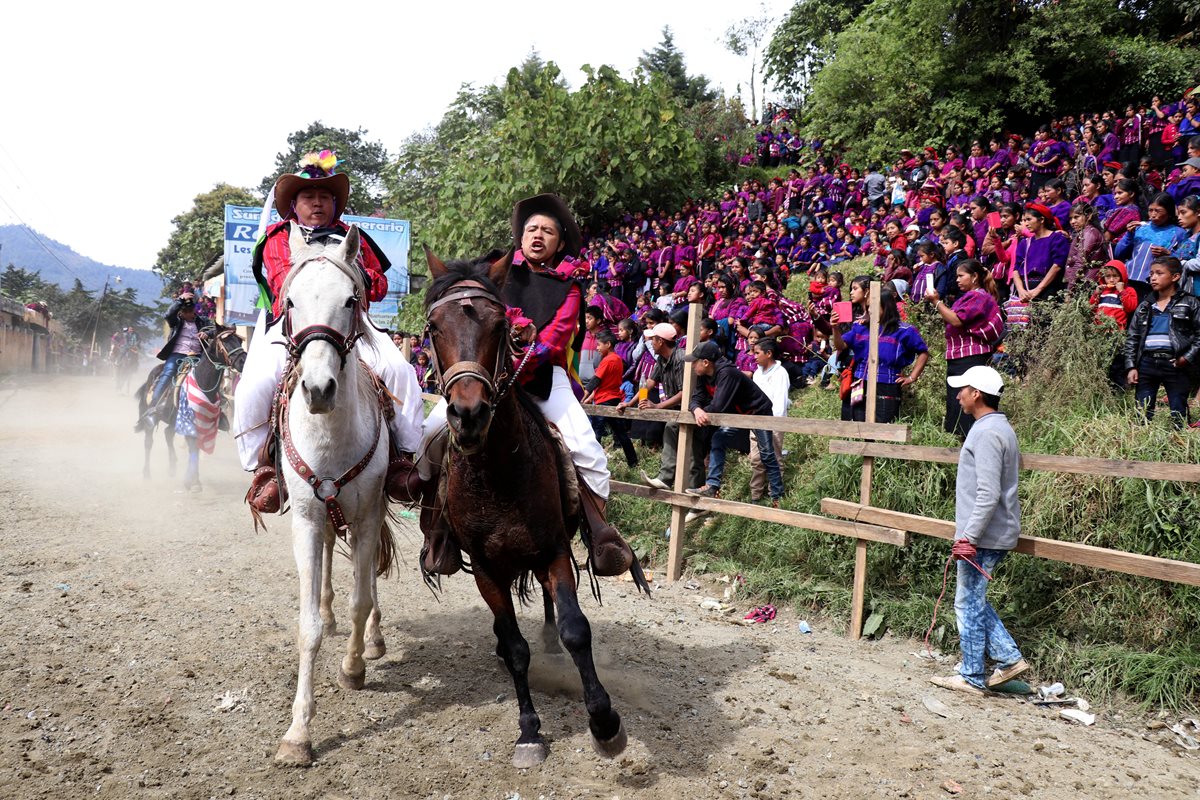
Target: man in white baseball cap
[987,523]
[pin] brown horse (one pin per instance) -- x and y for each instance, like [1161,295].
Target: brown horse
[507,498]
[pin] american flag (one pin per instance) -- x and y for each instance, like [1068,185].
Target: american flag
[197,416]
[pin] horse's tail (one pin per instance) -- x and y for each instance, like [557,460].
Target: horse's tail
[387,549]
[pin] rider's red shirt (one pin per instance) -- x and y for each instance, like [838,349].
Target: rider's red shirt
[277,262]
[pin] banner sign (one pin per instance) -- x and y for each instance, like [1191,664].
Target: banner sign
[241,234]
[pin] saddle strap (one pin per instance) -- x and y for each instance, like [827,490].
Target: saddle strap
[333,508]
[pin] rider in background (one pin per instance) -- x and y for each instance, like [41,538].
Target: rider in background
[182,342]
[314,198]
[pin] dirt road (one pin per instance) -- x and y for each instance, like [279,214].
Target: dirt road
[147,650]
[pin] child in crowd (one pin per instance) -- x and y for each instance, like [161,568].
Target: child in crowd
[1116,300]
[1163,345]
[604,389]
[770,376]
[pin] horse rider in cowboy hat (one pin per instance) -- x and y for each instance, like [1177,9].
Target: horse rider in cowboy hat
[314,198]
[545,232]
[182,342]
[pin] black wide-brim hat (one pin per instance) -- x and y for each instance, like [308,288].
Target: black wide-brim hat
[552,206]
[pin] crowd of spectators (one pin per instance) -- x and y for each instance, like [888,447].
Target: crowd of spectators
[1106,204]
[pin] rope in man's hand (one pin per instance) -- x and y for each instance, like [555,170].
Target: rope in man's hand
[961,550]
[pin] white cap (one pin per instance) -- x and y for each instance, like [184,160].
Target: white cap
[985,379]
[663,330]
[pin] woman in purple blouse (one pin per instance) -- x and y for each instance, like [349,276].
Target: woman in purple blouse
[1041,257]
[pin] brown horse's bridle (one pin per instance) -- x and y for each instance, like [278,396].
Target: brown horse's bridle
[499,380]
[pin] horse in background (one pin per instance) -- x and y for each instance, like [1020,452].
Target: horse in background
[221,350]
[330,418]
[508,490]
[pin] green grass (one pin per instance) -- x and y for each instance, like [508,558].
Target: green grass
[1100,632]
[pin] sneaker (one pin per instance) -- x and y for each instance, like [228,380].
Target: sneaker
[695,514]
[774,502]
[707,490]
[1003,675]
[657,483]
[956,683]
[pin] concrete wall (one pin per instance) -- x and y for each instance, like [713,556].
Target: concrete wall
[29,340]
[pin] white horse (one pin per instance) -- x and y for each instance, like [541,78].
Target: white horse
[335,446]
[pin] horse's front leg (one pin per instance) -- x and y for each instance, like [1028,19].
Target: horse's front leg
[328,621]
[512,647]
[608,732]
[365,548]
[307,537]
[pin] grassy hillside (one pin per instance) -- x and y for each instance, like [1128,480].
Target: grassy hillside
[1095,630]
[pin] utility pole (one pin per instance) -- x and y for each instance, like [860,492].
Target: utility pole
[96,327]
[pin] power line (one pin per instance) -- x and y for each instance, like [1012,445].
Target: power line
[36,238]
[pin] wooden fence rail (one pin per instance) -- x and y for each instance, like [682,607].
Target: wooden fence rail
[1164,569]
[1077,465]
[807,426]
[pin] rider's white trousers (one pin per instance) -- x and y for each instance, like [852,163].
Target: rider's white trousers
[562,408]
[265,361]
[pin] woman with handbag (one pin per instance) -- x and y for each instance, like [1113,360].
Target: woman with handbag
[973,329]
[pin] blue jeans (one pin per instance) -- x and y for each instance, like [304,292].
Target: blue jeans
[980,631]
[766,453]
[170,367]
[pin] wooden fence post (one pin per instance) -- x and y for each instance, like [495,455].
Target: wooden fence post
[683,450]
[858,593]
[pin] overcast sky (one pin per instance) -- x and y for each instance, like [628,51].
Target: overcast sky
[117,115]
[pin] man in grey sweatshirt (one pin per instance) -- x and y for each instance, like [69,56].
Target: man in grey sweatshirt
[987,521]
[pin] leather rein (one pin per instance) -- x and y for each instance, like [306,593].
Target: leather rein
[500,379]
[325,488]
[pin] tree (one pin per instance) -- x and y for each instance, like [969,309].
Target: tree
[363,160]
[941,71]
[199,235]
[745,39]
[804,42]
[666,61]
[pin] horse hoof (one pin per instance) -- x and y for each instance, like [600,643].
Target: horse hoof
[530,755]
[375,650]
[294,754]
[611,748]
[352,682]
[328,629]
[196,488]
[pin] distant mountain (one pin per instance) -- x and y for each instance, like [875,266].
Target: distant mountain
[19,248]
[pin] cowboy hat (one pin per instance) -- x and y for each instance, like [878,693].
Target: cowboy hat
[316,172]
[550,205]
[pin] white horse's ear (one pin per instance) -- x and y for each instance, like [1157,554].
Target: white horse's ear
[498,271]
[350,245]
[436,268]
[296,240]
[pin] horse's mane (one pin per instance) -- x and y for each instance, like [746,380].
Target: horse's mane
[475,270]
